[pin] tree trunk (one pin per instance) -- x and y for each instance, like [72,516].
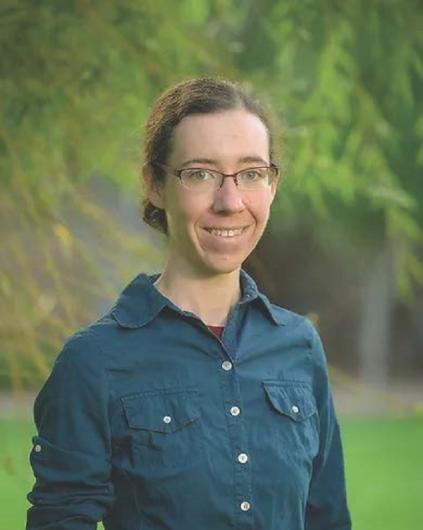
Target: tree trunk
[375,328]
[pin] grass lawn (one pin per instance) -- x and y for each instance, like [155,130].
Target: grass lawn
[384,463]
[384,466]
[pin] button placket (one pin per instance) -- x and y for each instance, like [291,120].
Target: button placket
[238,440]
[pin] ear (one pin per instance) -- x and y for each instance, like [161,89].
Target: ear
[274,187]
[154,190]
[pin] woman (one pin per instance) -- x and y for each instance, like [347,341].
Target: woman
[194,403]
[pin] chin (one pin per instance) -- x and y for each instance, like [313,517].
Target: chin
[211,263]
[222,267]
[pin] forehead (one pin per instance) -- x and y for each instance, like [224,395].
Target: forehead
[221,136]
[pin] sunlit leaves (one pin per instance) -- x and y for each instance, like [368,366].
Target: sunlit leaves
[78,78]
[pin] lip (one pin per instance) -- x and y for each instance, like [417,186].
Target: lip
[210,228]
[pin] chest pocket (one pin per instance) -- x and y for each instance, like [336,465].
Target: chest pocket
[295,419]
[164,426]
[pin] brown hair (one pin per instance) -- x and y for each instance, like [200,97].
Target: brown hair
[195,96]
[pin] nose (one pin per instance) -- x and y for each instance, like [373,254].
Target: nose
[228,198]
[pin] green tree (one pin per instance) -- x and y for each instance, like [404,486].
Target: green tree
[78,78]
[346,77]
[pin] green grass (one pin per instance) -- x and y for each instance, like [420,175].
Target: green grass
[15,474]
[384,464]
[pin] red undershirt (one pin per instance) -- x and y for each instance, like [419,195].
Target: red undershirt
[217,330]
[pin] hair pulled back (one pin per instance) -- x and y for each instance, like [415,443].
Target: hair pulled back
[195,96]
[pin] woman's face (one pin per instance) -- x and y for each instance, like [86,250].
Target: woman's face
[226,141]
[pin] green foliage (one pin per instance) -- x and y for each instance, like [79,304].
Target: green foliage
[78,78]
[349,78]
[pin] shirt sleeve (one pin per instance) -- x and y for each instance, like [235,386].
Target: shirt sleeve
[71,455]
[327,503]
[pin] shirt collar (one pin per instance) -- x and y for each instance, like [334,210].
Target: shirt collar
[140,302]
[251,292]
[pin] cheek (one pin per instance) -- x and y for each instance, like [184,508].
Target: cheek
[185,213]
[260,209]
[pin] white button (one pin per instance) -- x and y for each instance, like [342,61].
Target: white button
[245,506]
[242,458]
[167,419]
[235,411]
[227,365]
[295,409]
[37,448]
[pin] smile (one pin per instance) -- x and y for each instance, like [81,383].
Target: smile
[226,232]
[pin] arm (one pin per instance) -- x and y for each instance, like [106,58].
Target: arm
[71,454]
[327,505]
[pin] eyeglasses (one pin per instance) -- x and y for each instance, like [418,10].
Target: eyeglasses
[249,179]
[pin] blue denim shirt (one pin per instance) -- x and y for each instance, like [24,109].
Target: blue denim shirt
[149,422]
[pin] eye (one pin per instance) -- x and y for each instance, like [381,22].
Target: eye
[252,174]
[197,175]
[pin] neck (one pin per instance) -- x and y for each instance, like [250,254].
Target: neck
[209,297]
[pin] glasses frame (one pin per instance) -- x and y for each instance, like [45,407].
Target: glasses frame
[234,176]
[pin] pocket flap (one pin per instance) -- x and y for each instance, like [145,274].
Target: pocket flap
[294,400]
[161,410]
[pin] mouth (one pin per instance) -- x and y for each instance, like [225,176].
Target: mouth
[226,232]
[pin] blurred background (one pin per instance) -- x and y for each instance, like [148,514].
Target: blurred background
[345,242]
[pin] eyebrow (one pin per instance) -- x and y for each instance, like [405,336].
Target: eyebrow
[211,161]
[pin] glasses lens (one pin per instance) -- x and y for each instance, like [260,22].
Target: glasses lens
[198,179]
[253,178]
